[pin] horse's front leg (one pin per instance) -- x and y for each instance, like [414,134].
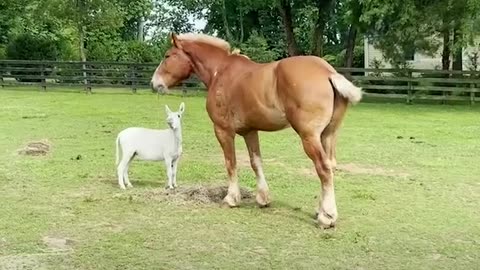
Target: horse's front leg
[226,138]
[253,145]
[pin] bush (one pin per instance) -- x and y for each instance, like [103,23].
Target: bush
[33,47]
[3,52]
[140,52]
[256,48]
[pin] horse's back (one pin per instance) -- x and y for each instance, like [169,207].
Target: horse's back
[304,79]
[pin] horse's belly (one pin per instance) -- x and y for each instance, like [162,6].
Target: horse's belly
[269,120]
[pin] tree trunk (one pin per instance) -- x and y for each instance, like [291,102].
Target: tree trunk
[81,45]
[286,13]
[350,47]
[242,34]
[457,44]
[225,22]
[324,8]
[140,29]
[446,49]
[317,44]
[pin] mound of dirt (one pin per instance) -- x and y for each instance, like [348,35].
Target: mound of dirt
[35,149]
[198,194]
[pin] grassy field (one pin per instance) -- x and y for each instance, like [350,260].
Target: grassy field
[408,191]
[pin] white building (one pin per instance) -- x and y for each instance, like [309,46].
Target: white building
[419,60]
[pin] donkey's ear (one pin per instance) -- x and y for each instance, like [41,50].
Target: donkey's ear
[167,109]
[182,108]
[174,40]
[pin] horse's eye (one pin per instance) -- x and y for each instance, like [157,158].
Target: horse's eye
[178,116]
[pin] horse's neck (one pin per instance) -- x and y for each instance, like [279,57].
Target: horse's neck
[207,66]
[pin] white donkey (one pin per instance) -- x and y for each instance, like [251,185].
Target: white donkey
[152,145]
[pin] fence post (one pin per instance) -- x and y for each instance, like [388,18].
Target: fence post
[410,86]
[134,78]
[42,77]
[472,94]
[86,81]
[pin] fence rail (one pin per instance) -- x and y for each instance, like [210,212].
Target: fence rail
[408,84]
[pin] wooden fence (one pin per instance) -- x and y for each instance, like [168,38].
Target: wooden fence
[407,84]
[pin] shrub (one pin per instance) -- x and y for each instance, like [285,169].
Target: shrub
[256,48]
[33,47]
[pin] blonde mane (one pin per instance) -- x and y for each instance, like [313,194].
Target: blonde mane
[236,51]
[211,40]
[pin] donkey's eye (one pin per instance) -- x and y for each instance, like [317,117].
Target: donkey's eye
[178,116]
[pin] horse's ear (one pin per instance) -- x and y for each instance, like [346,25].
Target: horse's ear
[167,109]
[174,40]
[182,108]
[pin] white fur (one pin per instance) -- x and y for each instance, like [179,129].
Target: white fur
[346,88]
[152,145]
[157,81]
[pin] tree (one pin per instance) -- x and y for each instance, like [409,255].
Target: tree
[399,28]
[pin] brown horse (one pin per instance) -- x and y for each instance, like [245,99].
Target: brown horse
[244,97]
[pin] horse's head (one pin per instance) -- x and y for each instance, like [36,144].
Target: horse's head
[174,68]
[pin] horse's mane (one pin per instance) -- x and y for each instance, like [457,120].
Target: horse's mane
[211,40]
[236,51]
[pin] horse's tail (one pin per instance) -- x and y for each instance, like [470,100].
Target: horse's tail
[117,154]
[345,88]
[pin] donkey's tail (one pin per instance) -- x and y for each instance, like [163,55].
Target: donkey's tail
[117,154]
[345,88]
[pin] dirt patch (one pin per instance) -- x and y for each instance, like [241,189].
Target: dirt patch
[353,168]
[40,148]
[365,169]
[34,116]
[194,194]
[57,243]
[21,262]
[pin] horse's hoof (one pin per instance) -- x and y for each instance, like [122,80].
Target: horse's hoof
[325,220]
[263,199]
[232,200]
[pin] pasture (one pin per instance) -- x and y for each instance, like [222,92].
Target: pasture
[407,187]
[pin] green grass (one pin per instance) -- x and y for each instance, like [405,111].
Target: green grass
[403,203]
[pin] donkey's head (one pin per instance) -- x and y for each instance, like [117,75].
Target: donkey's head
[174,118]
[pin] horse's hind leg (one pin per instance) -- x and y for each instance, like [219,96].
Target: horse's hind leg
[329,135]
[310,126]
[251,140]
[327,210]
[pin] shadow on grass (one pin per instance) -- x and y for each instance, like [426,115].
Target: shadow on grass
[190,92]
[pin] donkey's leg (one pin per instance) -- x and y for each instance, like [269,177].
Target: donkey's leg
[251,139]
[327,214]
[169,166]
[226,139]
[174,172]
[126,179]
[122,168]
